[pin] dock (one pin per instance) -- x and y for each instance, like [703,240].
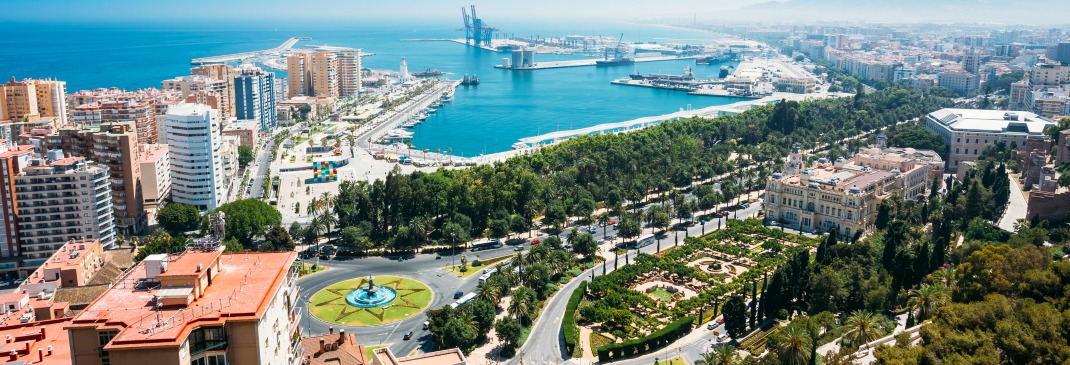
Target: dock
[285,46]
[587,62]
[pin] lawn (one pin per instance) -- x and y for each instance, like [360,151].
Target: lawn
[673,361]
[472,270]
[329,304]
[599,340]
[307,269]
[662,295]
[368,351]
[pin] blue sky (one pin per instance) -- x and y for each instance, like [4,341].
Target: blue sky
[147,10]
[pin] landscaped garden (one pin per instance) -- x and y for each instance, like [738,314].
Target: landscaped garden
[370,301]
[646,298]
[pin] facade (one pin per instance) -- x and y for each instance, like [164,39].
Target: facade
[324,73]
[113,145]
[968,131]
[298,74]
[844,195]
[961,82]
[1050,74]
[140,110]
[30,99]
[199,307]
[223,72]
[1021,95]
[349,77]
[194,140]
[255,97]
[12,159]
[73,265]
[155,173]
[228,153]
[189,85]
[62,199]
[246,131]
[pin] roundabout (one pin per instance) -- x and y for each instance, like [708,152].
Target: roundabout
[370,301]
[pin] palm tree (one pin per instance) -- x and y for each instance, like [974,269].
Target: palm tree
[862,327]
[794,346]
[926,299]
[603,220]
[558,261]
[491,293]
[721,355]
[523,304]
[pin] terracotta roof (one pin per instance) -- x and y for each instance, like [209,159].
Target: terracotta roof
[28,338]
[348,352]
[122,259]
[106,275]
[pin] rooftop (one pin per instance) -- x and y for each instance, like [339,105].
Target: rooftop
[334,350]
[241,290]
[69,255]
[42,342]
[151,152]
[991,121]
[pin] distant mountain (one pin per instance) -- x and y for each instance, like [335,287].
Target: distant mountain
[986,11]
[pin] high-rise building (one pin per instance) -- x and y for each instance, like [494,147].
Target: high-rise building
[961,82]
[194,139]
[113,145]
[349,77]
[1062,53]
[330,73]
[155,173]
[61,199]
[12,159]
[120,109]
[255,92]
[298,74]
[31,99]
[199,307]
[324,72]
[223,72]
[1049,74]
[971,62]
[189,85]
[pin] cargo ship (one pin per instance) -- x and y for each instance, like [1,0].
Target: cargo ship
[618,61]
[428,73]
[470,81]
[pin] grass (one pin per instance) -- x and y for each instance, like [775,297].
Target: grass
[523,336]
[673,361]
[368,351]
[662,295]
[599,340]
[329,303]
[307,269]
[472,270]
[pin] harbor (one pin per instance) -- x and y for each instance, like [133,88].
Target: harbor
[285,46]
[583,63]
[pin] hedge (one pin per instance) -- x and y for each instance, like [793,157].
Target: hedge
[568,323]
[658,339]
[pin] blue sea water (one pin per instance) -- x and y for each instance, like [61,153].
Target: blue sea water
[490,117]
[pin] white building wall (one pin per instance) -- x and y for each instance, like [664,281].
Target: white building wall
[194,140]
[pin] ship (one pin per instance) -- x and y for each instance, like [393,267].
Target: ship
[714,59]
[428,73]
[618,59]
[466,81]
[637,76]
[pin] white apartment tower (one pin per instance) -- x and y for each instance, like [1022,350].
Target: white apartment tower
[194,141]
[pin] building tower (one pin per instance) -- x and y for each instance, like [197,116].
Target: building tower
[405,76]
[349,77]
[195,142]
[255,93]
[12,159]
[796,161]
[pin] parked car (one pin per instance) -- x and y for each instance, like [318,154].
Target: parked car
[591,229]
[720,320]
[408,336]
[535,241]
[774,223]
[745,205]
[711,326]
[458,294]
[723,338]
[723,213]
[518,248]
[427,325]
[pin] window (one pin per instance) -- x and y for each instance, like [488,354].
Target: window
[207,338]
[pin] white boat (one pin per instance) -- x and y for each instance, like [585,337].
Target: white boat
[422,116]
[410,123]
[448,95]
[397,135]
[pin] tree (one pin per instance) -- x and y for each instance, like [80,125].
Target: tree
[518,224]
[178,218]
[628,227]
[355,239]
[280,239]
[735,316]
[248,218]
[522,306]
[793,346]
[509,331]
[720,355]
[862,327]
[245,155]
[585,245]
[483,313]
[296,231]
[555,215]
[458,333]
[499,228]
[160,242]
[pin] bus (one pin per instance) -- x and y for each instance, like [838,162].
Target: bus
[642,241]
[465,299]
[483,278]
[486,245]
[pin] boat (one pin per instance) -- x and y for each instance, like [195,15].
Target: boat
[520,145]
[725,71]
[422,116]
[448,95]
[410,123]
[617,61]
[637,76]
[470,81]
[428,73]
[398,135]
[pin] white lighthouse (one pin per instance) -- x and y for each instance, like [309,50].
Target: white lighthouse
[405,76]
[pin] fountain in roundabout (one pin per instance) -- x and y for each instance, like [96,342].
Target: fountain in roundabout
[371,296]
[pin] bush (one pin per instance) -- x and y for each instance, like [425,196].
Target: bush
[568,324]
[507,352]
[659,338]
[477,263]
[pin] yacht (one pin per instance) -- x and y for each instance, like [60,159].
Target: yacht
[398,135]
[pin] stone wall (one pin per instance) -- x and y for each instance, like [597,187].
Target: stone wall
[1049,206]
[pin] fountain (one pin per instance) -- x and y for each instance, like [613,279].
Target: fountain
[371,296]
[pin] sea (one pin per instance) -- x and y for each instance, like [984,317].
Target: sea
[505,106]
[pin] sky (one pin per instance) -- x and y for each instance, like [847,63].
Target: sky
[252,10]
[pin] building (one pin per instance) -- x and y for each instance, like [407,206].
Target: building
[60,199]
[12,159]
[189,85]
[142,111]
[255,97]
[247,132]
[1049,74]
[1062,53]
[1049,205]
[194,140]
[31,99]
[113,145]
[228,153]
[1062,150]
[198,307]
[155,173]
[961,82]
[1021,95]
[298,74]
[313,74]
[73,265]
[844,195]
[343,348]
[383,356]
[349,77]
[42,342]
[1050,101]
[223,72]
[971,62]
[968,131]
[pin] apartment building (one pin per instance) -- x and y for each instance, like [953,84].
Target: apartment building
[844,195]
[73,265]
[349,77]
[140,110]
[155,162]
[225,73]
[61,199]
[190,85]
[113,145]
[961,82]
[314,74]
[195,143]
[12,159]
[31,99]
[968,131]
[198,307]
[247,131]
[255,91]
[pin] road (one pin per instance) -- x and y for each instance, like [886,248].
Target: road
[260,169]
[549,346]
[1016,207]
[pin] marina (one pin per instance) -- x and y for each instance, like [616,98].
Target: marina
[587,62]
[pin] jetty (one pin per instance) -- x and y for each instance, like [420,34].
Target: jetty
[285,46]
[587,62]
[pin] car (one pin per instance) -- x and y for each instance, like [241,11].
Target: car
[408,336]
[458,294]
[723,213]
[427,325]
[518,248]
[19,281]
[591,229]
[567,246]
[774,223]
[722,338]
[611,237]
[612,222]
[711,326]
[535,241]
[745,205]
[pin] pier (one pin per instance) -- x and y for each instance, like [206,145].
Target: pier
[587,62]
[285,46]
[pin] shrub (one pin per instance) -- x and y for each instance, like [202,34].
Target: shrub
[477,263]
[655,340]
[568,324]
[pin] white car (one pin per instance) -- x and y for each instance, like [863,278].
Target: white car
[722,338]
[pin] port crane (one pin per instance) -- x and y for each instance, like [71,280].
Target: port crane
[477,32]
[616,50]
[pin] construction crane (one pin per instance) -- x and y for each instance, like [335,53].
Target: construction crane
[477,33]
[620,44]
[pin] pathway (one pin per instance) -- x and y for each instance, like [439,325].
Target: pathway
[1016,207]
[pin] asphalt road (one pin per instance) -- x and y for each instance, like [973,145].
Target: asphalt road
[546,345]
[260,167]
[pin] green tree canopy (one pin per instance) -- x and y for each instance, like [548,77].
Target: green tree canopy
[248,218]
[178,218]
